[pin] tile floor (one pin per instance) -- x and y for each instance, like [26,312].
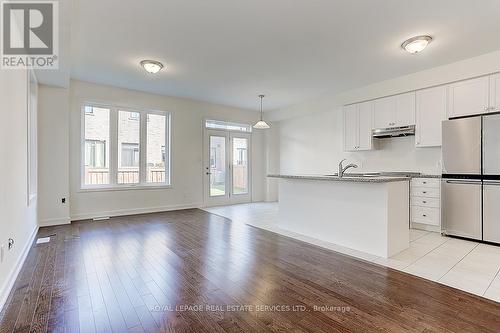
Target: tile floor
[466,265]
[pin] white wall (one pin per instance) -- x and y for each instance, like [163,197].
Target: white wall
[272,160]
[187,145]
[313,144]
[17,220]
[311,137]
[53,155]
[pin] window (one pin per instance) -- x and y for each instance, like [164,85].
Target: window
[129,136]
[130,155]
[156,149]
[134,115]
[89,110]
[241,156]
[124,148]
[224,125]
[96,136]
[95,153]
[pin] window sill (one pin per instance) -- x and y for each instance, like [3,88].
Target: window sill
[124,188]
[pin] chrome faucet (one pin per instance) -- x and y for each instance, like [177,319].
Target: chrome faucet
[343,169]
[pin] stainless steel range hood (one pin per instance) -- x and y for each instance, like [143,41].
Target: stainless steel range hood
[393,132]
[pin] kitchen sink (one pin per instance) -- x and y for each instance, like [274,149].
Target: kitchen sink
[370,174]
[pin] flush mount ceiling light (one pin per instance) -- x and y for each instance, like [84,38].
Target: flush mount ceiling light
[261,124]
[416,44]
[151,66]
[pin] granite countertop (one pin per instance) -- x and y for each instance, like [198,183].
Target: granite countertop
[426,176]
[346,178]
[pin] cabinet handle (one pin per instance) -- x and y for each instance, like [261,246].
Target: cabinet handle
[424,201]
[424,215]
[424,182]
[424,192]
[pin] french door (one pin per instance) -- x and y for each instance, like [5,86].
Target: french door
[227,167]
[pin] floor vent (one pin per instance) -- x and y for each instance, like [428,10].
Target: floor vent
[43,240]
[100,218]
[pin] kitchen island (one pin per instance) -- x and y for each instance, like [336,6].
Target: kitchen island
[364,213]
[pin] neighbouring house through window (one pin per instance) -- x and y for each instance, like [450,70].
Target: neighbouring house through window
[95,153]
[130,154]
[138,151]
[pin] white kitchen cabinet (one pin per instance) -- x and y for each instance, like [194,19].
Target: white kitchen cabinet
[394,111]
[430,113]
[358,126]
[425,204]
[365,121]
[494,93]
[405,109]
[351,127]
[469,97]
[384,112]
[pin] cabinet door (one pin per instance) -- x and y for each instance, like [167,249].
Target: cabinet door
[469,97]
[365,121]
[495,93]
[430,112]
[405,109]
[351,127]
[384,112]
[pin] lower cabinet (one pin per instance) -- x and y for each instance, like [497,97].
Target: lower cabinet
[425,204]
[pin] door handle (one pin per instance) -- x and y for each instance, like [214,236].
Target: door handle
[208,173]
[463,182]
[492,183]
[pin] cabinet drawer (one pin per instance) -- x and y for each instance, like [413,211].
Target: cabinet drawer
[426,202]
[431,192]
[425,215]
[425,182]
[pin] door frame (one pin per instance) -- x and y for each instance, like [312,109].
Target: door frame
[229,198]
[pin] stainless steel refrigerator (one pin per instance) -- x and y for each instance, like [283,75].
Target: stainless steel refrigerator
[471,178]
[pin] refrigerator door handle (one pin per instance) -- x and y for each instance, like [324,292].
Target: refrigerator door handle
[470,182]
[492,182]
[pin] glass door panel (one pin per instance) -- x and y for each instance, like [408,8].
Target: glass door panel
[227,167]
[218,166]
[240,165]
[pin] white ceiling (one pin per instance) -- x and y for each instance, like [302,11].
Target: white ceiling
[229,51]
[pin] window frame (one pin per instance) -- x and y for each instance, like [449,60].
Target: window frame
[113,149]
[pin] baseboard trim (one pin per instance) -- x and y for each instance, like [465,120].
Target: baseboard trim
[425,227]
[52,222]
[9,283]
[135,211]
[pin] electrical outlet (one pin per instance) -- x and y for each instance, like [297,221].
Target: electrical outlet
[2,252]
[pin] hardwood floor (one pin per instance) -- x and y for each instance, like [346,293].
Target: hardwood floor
[192,271]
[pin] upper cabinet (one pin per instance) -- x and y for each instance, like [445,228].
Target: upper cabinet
[405,109]
[358,126]
[394,111]
[430,112]
[469,97]
[384,112]
[495,93]
[365,120]
[351,127]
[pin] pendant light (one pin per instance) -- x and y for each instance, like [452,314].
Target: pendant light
[261,124]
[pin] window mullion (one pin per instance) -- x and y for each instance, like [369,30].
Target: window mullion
[143,148]
[113,154]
